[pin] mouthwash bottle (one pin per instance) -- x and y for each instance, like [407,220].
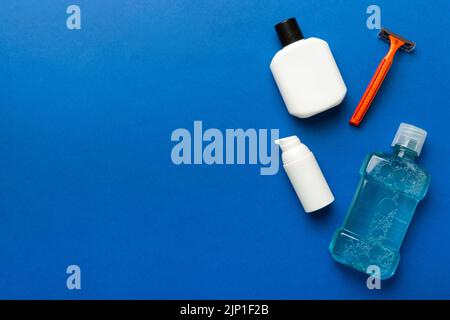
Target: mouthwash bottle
[391,185]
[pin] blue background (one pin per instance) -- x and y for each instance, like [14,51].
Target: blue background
[86,176]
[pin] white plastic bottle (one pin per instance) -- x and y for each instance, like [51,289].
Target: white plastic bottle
[305,175]
[305,72]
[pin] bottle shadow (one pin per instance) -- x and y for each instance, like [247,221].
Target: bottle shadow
[319,120]
[325,119]
[327,116]
[321,214]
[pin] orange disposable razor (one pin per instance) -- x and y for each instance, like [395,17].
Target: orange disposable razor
[396,42]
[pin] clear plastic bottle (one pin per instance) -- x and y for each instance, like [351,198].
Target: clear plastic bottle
[391,185]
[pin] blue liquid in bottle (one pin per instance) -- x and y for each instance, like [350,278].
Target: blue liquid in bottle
[391,185]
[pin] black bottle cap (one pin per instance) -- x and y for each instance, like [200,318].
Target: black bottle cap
[288,31]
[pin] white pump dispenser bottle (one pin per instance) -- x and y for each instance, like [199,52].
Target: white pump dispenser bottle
[305,175]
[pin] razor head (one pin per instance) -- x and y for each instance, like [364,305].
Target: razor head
[385,33]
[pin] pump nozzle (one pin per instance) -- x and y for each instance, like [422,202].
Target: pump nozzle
[286,143]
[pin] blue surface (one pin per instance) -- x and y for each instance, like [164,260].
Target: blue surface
[86,176]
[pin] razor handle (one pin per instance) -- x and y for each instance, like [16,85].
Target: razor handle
[376,82]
